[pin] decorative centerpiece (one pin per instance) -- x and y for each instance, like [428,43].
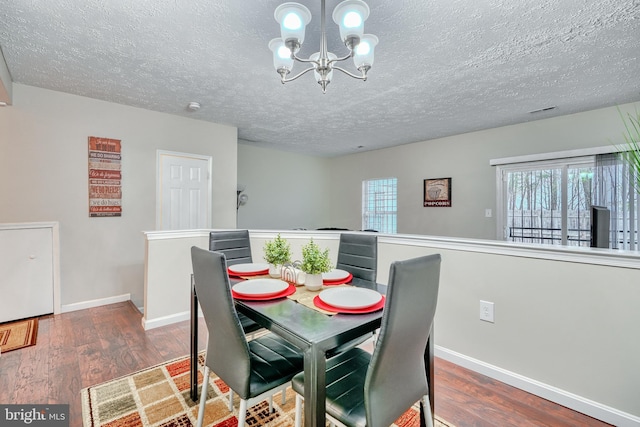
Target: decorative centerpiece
[291,273]
[277,253]
[314,262]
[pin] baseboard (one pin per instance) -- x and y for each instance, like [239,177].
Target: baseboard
[94,303]
[165,320]
[577,403]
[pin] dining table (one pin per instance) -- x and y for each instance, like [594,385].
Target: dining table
[315,333]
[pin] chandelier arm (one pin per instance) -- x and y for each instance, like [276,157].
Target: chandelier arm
[344,58]
[297,58]
[348,73]
[297,75]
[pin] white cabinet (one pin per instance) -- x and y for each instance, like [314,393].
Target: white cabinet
[26,271]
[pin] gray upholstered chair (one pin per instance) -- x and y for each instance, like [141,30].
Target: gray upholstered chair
[234,244]
[236,247]
[376,389]
[253,369]
[358,254]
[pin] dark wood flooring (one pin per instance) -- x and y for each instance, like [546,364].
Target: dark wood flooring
[82,348]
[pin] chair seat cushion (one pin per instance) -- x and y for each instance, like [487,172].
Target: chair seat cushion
[274,361]
[346,373]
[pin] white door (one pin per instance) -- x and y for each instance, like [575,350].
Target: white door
[184,191]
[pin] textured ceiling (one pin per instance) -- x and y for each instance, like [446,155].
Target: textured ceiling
[442,67]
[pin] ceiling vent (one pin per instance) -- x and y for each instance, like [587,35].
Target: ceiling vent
[540,110]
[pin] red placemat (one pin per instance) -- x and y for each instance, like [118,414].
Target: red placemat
[321,304]
[249,274]
[289,291]
[338,281]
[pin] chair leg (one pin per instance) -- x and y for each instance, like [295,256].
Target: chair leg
[230,400]
[242,413]
[271,404]
[427,410]
[298,419]
[203,397]
[284,397]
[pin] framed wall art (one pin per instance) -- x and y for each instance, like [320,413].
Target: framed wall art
[105,185]
[437,192]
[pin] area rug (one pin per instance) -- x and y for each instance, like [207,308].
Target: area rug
[19,334]
[159,396]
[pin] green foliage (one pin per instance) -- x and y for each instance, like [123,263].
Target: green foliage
[631,152]
[314,260]
[278,251]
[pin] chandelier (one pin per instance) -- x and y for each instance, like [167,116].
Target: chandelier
[349,15]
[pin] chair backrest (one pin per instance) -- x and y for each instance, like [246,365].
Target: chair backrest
[396,377]
[227,348]
[358,254]
[234,244]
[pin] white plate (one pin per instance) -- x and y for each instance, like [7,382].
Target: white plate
[260,287]
[250,267]
[350,298]
[335,274]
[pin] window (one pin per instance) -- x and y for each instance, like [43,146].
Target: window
[380,205]
[549,202]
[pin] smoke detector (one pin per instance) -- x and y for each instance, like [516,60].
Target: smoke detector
[193,106]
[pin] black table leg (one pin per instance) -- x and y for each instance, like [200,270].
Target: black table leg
[428,362]
[194,342]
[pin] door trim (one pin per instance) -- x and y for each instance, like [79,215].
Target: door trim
[164,153]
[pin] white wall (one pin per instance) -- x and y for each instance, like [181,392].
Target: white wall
[465,158]
[43,177]
[285,190]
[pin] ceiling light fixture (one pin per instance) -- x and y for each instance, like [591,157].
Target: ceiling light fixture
[193,106]
[349,15]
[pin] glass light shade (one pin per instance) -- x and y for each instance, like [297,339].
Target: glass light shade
[293,18]
[314,57]
[363,53]
[281,55]
[350,16]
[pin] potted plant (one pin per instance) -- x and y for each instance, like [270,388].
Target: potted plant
[277,253]
[314,262]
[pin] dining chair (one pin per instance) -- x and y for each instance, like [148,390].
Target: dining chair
[376,389]
[358,254]
[254,369]
[236,246]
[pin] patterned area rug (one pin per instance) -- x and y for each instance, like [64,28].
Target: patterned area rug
[20,334]
[159,396]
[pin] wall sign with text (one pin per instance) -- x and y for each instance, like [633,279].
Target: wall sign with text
[437,192]
[105,177]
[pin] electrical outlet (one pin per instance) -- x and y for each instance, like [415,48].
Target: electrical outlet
[488,213]
[486,311]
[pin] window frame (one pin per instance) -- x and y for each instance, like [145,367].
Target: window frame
[562,163]
[367,214]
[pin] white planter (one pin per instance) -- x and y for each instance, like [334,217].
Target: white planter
[313,282]
[275,271]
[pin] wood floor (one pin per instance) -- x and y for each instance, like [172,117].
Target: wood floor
[82,348]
